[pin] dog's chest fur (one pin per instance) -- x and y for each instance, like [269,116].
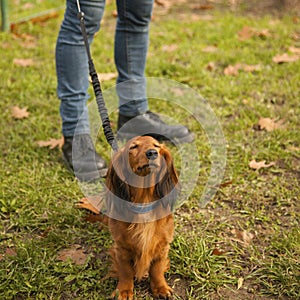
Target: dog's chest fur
[144,241]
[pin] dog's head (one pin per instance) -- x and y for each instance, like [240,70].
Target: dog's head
[143,164]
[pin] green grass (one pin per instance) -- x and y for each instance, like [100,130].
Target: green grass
[38,215]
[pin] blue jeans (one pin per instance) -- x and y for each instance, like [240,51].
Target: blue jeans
[131,45]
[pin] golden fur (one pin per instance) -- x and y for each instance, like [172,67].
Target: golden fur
[141,248]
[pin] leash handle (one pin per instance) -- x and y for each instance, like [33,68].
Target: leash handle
[109,135]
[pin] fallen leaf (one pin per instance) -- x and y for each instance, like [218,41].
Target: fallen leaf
[242,236]
[210,66]
[170,48]
[294,50]
[232,70]
[256,165]
[269,124]
[251,68]
[240,282]
[263,33]
[285,58]
[24,62]
[75,253]
[19,113]
[52,143]
[246,33]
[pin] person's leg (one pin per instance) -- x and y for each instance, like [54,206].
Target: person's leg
[72,77]
[72,64]
[131,46]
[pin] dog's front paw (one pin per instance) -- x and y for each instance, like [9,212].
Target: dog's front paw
[122,295]
[162,292]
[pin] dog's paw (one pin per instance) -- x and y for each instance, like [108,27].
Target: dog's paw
[122,295]
[162,292]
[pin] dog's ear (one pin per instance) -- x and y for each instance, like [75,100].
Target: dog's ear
[167,187]
[116,184]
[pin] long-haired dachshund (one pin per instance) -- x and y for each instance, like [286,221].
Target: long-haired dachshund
[142,185]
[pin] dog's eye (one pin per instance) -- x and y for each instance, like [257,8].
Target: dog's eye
[157,146]
[133,147]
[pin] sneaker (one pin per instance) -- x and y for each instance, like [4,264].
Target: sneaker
[80,156]
[151,124]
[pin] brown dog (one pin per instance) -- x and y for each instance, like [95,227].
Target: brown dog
[142,172]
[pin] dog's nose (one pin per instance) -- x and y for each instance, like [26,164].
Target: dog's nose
[151,154]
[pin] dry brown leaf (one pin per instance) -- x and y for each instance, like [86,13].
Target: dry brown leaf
[170,48]
[257,165]
[263,33]
[231,70]
[93,204]
[210,66]
[240,282]
[19,113]
[246,33]
[269,124]
[294,50]
[234,70]
[24,62]
[75,253]
[52,143]
[285,58]
[251,68]
[242,236]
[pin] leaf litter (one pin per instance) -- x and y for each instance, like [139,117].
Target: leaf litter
[257,165]
[75,253]
[19,113]
[52,143]
[269,124]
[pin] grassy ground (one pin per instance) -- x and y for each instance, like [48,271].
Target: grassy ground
[245,244]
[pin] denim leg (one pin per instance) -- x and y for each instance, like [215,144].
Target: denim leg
[72,64]
[131,46]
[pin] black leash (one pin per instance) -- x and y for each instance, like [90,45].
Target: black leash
[97,87]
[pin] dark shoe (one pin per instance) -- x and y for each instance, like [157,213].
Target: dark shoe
[81,157]
[151,124]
